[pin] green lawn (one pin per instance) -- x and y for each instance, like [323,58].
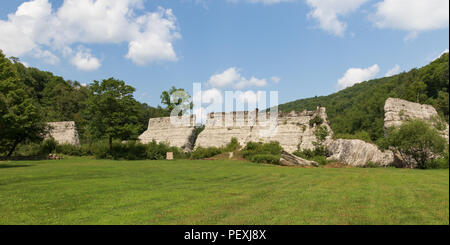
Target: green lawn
[84,191]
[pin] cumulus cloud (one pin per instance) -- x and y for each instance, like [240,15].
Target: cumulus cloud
[327,12]
[265,2]
[394,71]
[356,75]
[413,16]
[84,60]
[38,29]
[275,79]
[231,77]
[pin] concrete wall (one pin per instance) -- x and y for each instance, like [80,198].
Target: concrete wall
[163,131]
[64,132]
[292,129]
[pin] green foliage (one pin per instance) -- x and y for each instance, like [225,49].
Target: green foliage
[111,111]
[48,146]
[316,120]
[262,152]
[232,146]
[439,163]
[202,152]
[361,107]
[176,97]
[265,158]
[321,133]
[416,141]
[20,118]
[370,165]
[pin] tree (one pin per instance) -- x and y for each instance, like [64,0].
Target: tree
[416,141]
[20,117]
[176,97]
[111,111]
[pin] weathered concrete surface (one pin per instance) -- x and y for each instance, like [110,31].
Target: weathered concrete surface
[397,111]
[163,131]
[64,132]
[292,130]
[358,153]
[288,159]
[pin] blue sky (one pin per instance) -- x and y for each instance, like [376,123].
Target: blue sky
[301,48]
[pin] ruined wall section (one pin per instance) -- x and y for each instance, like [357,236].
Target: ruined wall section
[398,111]
[291,129]
[163,131]
[64,132]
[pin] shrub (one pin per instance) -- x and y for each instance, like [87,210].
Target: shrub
[232,146]
[265,158]
[371,165]
[68,149]
[262,152]
[316,120]
[439,163]
[48,146]
[416,141]
[202,153]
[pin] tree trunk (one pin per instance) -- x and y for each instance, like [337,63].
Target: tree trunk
[110,144]
[13,148]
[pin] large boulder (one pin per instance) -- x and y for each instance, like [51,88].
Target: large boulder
[397,111]
[288,159]
[358,153]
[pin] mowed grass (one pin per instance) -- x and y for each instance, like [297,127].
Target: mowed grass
[85,191]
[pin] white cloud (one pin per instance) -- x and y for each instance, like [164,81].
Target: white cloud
[252,82]
[413,16]
[45,55]
[231,77]
[357,75]
[265,2]
[250,97]
[394,71]
[38,28]
[84,60]
[226,78]
[275,79]
[327,12]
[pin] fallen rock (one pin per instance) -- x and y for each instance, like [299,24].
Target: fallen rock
[54,157]
[288,159]
[358,153]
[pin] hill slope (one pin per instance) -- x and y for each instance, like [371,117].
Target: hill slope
[359,110]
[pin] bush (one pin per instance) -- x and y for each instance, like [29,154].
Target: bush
[48,146]
[265,158]
[440,163]
[68,149]
[262,152]
[316,120]
[370,165]
[417,142]
[202,153]
[232,146]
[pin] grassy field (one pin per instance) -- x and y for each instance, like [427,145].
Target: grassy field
[84,191]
